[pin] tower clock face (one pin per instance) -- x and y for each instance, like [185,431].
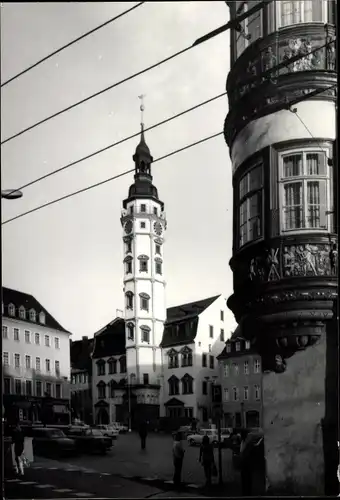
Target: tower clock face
[128,227]
[158,228]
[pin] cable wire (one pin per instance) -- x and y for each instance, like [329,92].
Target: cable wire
[70,43]
[91,155]
[308,130]
[31,127]
[39,207]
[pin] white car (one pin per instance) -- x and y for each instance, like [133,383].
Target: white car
[121,428]
[197,438]
[108,430]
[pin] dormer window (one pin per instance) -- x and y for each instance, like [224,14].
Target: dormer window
[228,348]
[238,346]
[145,333]
[129,300]
[130,327]
[247,344]
[11,310]
[33,315]
[22,312]
[42,318]
[144,301]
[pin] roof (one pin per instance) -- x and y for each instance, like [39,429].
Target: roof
[80,352]
[182,322]
[110,340]
[10,296]
[233,353]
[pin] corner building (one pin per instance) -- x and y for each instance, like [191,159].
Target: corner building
[144,224]
[282,148]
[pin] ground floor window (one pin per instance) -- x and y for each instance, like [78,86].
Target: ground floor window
[175,412]
[189,412]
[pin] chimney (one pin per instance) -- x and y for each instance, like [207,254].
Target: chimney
[119,313]
[85,338]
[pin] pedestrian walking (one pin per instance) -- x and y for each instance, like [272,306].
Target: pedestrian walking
[178,455]
[207,459]
[18,439]
[143,432]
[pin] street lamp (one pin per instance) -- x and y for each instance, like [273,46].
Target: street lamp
[11,194]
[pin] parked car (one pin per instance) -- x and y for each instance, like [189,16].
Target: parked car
[185,430]
[108,430]
[51,441]
[197,438]
[90,440]
[121,428]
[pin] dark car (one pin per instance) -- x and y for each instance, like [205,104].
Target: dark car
[90,440]
[50,441]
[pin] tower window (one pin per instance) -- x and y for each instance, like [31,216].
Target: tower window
[155,211]
[145,334]
[131,209]
[143,207]
[158,268]
[250,208]
[222,335]
[158,249]
[128,267]
[130,331]
[145,378]
[129,246]
[305,179]
[211,331]
[142,225]
[144,301]
[222,315]
[143,266]
[129,300]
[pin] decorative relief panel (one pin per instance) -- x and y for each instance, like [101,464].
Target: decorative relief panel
[299,260]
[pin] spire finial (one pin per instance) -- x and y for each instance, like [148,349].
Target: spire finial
[141,97]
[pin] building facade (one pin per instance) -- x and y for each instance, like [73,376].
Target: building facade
[194,335]
[35,360]
[280,129]
[81,379]
[241,381]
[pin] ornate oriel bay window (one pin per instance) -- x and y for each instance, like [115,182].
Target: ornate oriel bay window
[251,205]
[306,190]
[300,11]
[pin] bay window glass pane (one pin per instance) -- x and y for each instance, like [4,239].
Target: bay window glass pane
[255,203]
[293,210]
[255,178]
[254,22]
[315,164]
[292,165]
[241,41]
[291,12]
[308,10]
[243,186]
[316,204]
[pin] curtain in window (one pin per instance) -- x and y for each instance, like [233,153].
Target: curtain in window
[293,205]
[313,201]
[291,12]
[292,165]
[315,163]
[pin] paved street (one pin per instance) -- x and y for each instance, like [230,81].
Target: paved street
[126,471]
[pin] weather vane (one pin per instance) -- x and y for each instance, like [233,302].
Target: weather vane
[141,97]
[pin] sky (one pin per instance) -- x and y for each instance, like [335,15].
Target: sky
[70,255]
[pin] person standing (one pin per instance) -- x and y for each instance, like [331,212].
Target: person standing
[18,440]
[143,432]
[178,455]
[207,459]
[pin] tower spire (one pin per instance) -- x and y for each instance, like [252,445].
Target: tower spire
[142,156]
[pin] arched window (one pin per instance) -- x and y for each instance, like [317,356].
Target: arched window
[130,328]
[173,386]
[173,359]
[186,356]
[33,315]
[22,312]
[11,310]
[122,363]
[144,301]
[113,386]
[101,387]
[128,264]
[100,367]
[187,384]
[129,300]
[145,333]
[158,265]
[143,263]
[42,318]
[112,366]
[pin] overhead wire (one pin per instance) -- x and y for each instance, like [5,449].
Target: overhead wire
[121,141]
[92,186]
[109,21]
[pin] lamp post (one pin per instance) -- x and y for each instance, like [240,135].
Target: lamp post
[214,378]
[11,194]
